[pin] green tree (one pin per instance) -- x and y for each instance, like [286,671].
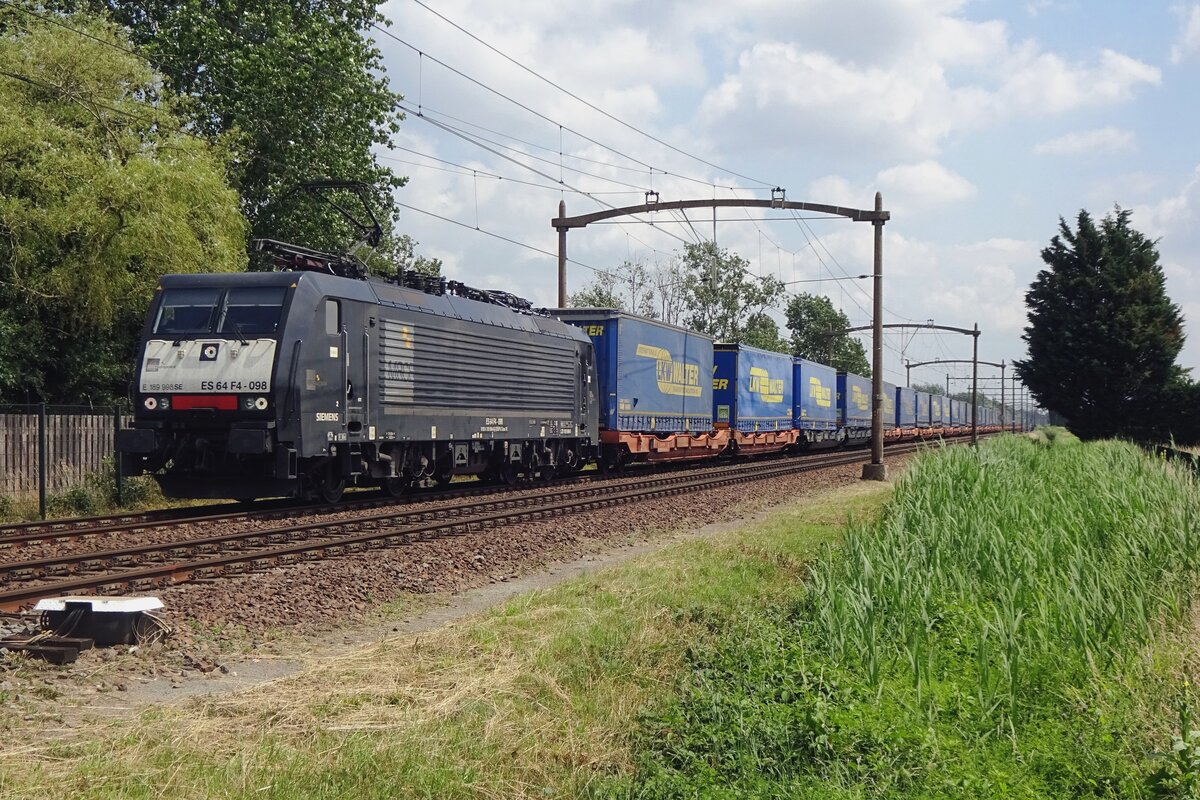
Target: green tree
[762,331]
[100,194]
[817,334]
[600,293]
[721,296]
[296,88]
[929,388]
[1103,335]
[400,253]
[668,282]
[628,287]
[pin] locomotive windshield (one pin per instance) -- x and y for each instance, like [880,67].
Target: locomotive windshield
[239,311]
[187,311]
[252,310]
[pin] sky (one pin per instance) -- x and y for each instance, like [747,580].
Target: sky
[980,123]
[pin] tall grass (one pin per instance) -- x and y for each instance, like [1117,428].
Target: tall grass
[1044,563]
[1013,625]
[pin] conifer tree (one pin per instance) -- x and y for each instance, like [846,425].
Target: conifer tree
[1103,335]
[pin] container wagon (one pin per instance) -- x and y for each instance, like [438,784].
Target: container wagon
[906,411]
[890,431]
[939,412]
[656,395]
[854,407]
[752,398]
[815,411]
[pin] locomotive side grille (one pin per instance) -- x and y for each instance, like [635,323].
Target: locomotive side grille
[488,366]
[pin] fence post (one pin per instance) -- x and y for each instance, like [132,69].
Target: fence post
[120,478]
[42,460]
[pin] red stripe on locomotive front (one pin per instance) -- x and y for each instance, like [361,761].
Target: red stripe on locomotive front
[219,402]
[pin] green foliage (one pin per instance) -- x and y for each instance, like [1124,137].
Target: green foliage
[100,194]
[817,327]
[1053,435]
[1004,630]
[600,293]
[929,388]
[1179,777]
[721,296]
[298,88]
[1103,335]
[628,287]
[762,331]
[394,255]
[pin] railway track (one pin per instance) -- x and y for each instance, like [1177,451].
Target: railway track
[22,533]
[12,536]
[144,567]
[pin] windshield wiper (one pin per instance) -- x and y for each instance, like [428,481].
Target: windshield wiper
[241,337]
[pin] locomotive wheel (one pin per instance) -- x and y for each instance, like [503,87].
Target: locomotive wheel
[508,474]
[395,487]
[330,491]
[326,484]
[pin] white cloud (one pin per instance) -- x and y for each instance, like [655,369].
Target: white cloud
[927,183]
[906,188]
[835,190]
[1188,42]
[1093,142]
[1174,215]
[782,94]
[1038,83]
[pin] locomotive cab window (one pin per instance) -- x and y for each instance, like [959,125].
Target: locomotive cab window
[187,311]
[252,310]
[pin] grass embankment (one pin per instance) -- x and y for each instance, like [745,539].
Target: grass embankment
[539,698]
[1017,624]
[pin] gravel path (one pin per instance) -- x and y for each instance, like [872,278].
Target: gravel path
[326,591]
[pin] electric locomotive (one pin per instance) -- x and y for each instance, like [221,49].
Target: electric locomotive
[303,381]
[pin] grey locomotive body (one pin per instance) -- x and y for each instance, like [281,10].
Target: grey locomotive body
[299,383]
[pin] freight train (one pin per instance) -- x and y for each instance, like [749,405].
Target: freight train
[305,380]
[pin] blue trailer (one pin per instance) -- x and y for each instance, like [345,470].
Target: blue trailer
[656,395]
[906,408]
[889,406]
[653,376]
[752,389]
[939,411]
[854,406]
[815,410]
[923,408]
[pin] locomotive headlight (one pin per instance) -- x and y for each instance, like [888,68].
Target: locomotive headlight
[248,403]
[260,403]
[150,403]
[164,403]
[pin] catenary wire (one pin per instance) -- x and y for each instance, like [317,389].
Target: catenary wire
[762,184]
